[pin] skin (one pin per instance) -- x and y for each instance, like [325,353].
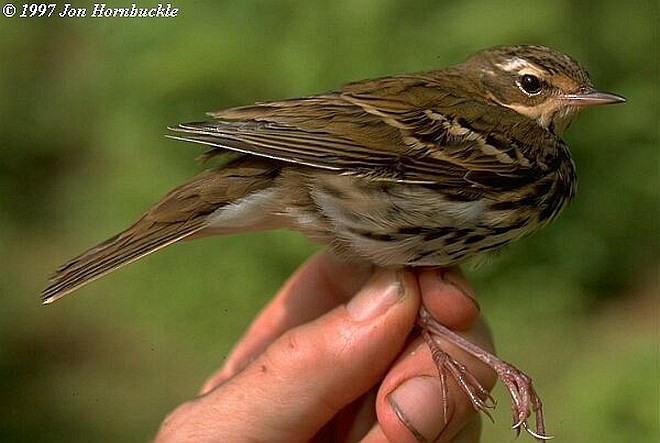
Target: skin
[332,358]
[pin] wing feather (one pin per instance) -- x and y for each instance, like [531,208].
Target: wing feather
[404,129]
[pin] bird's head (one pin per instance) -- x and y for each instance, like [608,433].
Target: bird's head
[537,82]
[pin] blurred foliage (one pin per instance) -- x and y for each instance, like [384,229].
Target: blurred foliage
[84,104]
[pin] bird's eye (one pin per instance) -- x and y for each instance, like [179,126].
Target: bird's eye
[530,84]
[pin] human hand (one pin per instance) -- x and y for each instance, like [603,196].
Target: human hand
[331,358]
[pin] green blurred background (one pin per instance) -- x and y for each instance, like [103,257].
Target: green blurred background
[83,108]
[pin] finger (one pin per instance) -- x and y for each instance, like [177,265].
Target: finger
[321,284]
[448,297]
[470,433]
[445,293]
[311,372]
[410,404]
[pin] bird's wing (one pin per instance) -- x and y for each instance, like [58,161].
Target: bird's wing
[405,129]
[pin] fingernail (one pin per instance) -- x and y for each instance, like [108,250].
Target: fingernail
[384,289]
[454,277]
[418,404]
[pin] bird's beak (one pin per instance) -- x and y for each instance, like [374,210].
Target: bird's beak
[592,97]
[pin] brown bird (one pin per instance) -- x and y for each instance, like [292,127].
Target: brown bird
[424,169]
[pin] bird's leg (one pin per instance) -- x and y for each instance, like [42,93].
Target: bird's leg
[520,387]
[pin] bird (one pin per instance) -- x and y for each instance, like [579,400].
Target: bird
[428,169]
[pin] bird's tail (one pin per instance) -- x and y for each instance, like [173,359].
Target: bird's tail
[182,213]
[112,254]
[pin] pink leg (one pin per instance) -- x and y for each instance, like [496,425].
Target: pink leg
[520,387]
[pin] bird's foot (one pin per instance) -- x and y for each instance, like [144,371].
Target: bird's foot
[525,400]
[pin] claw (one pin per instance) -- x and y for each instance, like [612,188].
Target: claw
[535,434]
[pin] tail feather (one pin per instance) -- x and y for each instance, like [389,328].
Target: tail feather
[182,213]
[118,251]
